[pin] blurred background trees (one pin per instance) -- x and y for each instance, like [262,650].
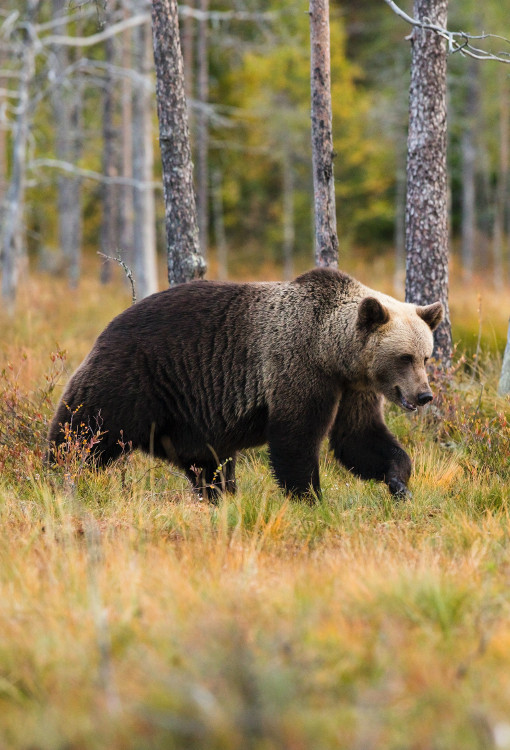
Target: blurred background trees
[78,128]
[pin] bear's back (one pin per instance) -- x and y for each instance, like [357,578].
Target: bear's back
[184,357]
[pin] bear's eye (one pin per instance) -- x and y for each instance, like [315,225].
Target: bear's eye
[425,360]
[406,359]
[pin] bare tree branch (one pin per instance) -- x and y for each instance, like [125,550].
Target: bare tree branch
[226,15]
[127,271]
[458,41]
[90,174]
[88,41]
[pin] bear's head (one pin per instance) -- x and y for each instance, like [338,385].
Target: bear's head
[400,343]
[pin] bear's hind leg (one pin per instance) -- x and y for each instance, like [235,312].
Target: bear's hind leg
[361,441]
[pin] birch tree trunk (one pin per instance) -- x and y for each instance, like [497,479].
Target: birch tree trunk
[12,215]
[66,103]
[427,200]
[3,149]
[125,213]
[144,230]
[326,240]
[185,261]
[108,231]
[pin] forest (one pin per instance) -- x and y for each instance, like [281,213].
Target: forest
[135,614]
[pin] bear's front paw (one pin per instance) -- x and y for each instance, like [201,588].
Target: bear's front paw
[398,489]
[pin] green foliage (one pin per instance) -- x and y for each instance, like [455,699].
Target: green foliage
[270,87]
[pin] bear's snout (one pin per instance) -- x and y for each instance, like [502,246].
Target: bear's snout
[424,398]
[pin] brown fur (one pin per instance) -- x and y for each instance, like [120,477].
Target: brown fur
[205,369]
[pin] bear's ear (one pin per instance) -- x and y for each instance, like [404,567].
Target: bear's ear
[371,314]
[431,314]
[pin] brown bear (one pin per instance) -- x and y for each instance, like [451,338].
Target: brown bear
[200,371]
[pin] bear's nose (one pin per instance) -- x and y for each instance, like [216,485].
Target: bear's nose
[424,398]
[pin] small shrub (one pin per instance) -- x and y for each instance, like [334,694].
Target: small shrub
[24,416]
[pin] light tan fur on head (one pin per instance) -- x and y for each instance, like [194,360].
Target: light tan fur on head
[402,344]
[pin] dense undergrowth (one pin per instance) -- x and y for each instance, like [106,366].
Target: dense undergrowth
[133,615]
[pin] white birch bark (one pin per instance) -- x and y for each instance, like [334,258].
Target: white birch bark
[13,210]
[144,231]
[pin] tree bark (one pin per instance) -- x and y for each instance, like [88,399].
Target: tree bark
[12,215]
[108,231]
[427,201]
[326,240]
[3,148]
[202,130]
[144,230]
[185,261]
[66,102]
[125,212]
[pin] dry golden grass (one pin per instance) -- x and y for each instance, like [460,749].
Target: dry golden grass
[135,616]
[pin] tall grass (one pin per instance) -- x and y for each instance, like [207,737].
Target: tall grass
[133,615]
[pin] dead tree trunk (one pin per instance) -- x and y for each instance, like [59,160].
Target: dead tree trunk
[427,200]
[185,261]
[326,240]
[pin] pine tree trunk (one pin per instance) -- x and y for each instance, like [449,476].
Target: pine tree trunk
[326,240]
[185,261]
[427,198]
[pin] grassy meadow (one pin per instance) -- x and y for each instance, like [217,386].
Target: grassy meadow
[135,616]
